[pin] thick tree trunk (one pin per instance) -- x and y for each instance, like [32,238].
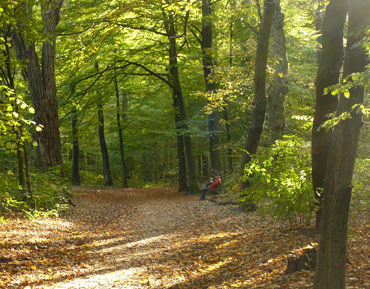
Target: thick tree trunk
[331,266]
[259,111]
[120,135]
[213,118]
[179,101]
[103,145]
[76,179]
[280,86]
[41,83]
[326,103]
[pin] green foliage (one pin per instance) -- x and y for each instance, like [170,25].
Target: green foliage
[361,181]
[50,195]
[280,181]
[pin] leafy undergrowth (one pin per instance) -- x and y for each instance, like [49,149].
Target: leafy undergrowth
[158,238]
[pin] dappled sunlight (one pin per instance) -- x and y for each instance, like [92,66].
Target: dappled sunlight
[158,243]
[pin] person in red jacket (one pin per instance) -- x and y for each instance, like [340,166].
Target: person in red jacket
[213,186]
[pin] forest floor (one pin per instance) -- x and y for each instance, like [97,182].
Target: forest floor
[158,238]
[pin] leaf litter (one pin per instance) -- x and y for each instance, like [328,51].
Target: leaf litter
[159,238]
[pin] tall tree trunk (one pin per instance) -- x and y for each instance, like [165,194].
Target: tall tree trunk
[179,101]
[183,183]
[319,17]
[331,266]
[103,145]
[280,86]
[120,134]
[213,118]
[41,82]
[326,103]
[76,179]
[259,111]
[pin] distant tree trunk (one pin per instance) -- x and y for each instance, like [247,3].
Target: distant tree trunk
[280,86]
[332,257]
[120,135]
[179,102]
[41,82]
[319,17]
[183,184]
[259,111]
[226,114]
[326,103]
[103,145]
[228,135]
[213,118]
[76,179]
[27,171]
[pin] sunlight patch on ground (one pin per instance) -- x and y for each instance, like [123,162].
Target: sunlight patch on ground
[114,279]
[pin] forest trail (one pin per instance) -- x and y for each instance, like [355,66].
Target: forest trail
[155,238]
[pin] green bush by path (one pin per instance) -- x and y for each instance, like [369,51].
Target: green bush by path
[50,195]
[280,181]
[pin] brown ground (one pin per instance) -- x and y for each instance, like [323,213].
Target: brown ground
[158,238]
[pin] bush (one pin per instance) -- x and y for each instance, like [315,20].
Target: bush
[50,195]
[280,181]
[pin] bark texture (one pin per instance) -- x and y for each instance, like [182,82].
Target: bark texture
[214,117]
[280,86]
[41,80]
[120,135]
[103,144]
[326,103]
[181,119]
[76,179]
[331,267]
[259,111]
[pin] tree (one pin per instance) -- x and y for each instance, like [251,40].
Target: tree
[332,257]
[259,110]
[41,78]
[213,118]
[280,85]
[103,143]
[326,101]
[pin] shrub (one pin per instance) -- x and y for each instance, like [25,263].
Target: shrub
[50,195]
[280,181]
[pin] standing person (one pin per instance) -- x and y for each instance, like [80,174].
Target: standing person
[213,186]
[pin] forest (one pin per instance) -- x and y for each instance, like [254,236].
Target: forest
[115,114]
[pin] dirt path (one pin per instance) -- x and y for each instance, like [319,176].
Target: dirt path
[153,238]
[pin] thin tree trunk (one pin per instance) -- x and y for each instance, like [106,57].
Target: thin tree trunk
[332,254]
[179,101]
[120,135]
[326,103]
[27,171]
[76,179]
[228,135]
[259,111]
[213,118]
[319,17]
[280,86]
[103,145]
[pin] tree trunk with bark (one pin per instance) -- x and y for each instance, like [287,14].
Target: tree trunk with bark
[192,186]
[280,86]
[326,103]
[76,179]
[103,144]
[214,117]
[120,135]
[332,257]
[41,81]
[259,111]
